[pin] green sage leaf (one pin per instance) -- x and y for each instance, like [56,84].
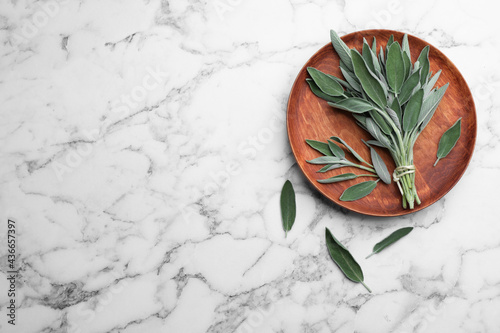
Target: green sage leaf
[423,59]
[408,87]
[324,160]
[325,82]
[379,165]
[367,55]
[412,111]
[288,209]
[407,62]
[405,46]
[341,49]
[371,85]
[329,167]
[316,91]
[391,239]
[395,67]
[381,122]
[342,177]
[359,190]
[430,105]
[353,104]
[429,85]
[449,140]
[336,150]
[352,82]
[320,146]
[344,260]
[353,152]
[375,131]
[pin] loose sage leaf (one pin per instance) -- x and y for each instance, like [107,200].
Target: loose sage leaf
[449,140]
[379,165]
[341,49]
[371,85]
[358,157]
[288,208]
[329,167]
[412,111]
[325,160]
[408,87]
[320,146]
[391,239]
[423,59]
[324,82]
[353,104]
[344,260]
[358,191]
[336,150]
[316,91]
[342,177]
[395,67]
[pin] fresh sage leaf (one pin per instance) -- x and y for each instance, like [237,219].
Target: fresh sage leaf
[352,81]
[412,111]
[342,177]
[353,152]
[395,67]
[391,239]
[341,49]
[423,59]
[405,46]
[367,55]
[379,165]
[380,121]
[325,83]
[316,91]
[449,140]
[389,42]
[324,160]
[370,84]
[344,260]
[329,167]
[430,105]
[288,208]
[359,190]
[353,104]
[336,150]
[407,62]
[429,85]
[375,131]
[408,87]
[320,146]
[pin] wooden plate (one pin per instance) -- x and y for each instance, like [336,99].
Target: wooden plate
[309,117]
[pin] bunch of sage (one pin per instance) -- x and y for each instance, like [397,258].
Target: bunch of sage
[390,97]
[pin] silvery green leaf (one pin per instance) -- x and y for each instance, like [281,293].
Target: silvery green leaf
[408,65]
[320,146]
[344,260]
[360,118]
[336,150]
[340,81]
[379,165]
[429,85]
[371,85]
[381,122]
[394,116]
[396,107]
[430,105]
[408,86]
[325,160]
[324,82]
[374,45]
[287,204]
[341,49]
[353,104]
[351,80]
[367,56]
[359,190]
[381,57]
[389,42]
[423,59]
[391,239]
[449,140]
[416,66]
[353,152]
[329,167]
[406,46]
[375,143]
[316,91]
[412,111]
[375,131]
[342,177]
[395,68]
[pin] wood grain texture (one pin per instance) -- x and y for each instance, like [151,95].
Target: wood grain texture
[309,117]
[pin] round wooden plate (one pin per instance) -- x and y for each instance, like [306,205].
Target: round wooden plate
[310,117]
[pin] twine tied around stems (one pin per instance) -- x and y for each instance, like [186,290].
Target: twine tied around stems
[399,172]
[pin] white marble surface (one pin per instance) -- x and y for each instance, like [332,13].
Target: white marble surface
[142,154]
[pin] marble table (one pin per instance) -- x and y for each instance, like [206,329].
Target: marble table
[143,149]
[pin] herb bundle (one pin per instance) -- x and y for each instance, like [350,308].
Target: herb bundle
[390,97]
